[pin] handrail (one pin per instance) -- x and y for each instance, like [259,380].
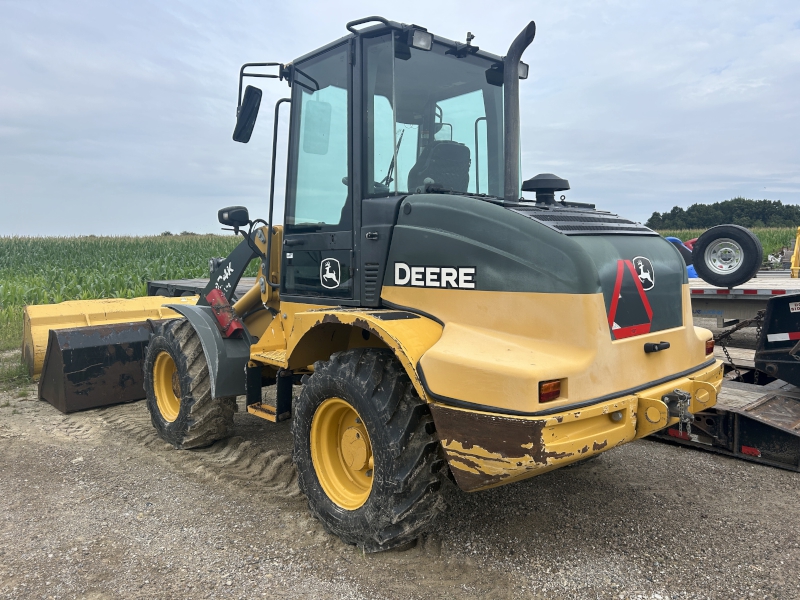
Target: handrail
[272,190]
[351,24]
[477,163]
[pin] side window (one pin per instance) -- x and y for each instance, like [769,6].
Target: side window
[317,197]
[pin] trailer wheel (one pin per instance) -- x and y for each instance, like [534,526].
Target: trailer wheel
[366,453]
[727,255]
[178,390]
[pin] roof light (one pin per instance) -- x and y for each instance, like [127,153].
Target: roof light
[421,40]
[523,70]
[549,390]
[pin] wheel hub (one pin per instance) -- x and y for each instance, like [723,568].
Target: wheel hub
[342,453]
[724,256]
[167,387]
[354,449]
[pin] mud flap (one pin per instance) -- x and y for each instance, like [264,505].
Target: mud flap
[90,367]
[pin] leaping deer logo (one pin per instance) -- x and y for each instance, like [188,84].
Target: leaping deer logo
[644,269]
[330,273]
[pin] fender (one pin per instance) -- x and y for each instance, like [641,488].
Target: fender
[227,358]
[409,335]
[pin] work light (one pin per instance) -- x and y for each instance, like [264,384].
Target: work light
[421,40]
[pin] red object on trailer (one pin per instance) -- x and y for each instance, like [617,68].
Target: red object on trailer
[690,243]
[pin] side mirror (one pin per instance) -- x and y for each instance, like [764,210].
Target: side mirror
[248,112]
[234,216]
[317,129]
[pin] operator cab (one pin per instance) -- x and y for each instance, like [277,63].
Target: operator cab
[387,111]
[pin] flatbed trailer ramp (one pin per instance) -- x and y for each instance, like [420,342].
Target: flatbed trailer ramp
[758,423]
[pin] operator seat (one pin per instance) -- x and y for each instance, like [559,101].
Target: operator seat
[446,163]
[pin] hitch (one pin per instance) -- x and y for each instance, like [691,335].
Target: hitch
[678,407]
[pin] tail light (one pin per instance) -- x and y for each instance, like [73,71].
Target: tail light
[549,390]
[710,346]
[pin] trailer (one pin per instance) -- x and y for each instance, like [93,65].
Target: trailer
[175,288]
[759,423]
[752,422]
[729,306]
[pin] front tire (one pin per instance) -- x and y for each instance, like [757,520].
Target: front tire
[366,453]
[178,390]
[727,255]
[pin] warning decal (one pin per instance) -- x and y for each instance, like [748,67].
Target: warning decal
[630,313]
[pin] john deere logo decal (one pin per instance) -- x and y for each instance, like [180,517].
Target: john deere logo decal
[330,273]
[645,272]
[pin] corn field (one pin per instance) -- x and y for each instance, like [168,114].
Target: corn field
[48,270]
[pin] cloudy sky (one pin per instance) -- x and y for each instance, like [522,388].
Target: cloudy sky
[116,117]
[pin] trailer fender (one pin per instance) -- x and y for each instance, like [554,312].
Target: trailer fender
[226,357]
[316,334]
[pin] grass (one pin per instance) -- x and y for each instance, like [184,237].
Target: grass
[772,238]
[13,372]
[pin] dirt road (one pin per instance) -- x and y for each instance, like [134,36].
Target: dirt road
[95,506]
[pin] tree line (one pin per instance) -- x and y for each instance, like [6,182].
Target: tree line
[737,211]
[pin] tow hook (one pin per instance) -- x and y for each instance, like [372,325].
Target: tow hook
[678,406]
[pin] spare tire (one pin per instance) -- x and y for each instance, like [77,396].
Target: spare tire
[727,255]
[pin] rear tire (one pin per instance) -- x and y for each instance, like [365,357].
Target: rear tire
[727,256]
[178,390]
[366,453]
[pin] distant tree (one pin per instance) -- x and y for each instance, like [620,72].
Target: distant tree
[737,211]
[166,233]
[188,233]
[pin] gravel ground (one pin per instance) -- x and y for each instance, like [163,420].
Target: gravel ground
[95,506]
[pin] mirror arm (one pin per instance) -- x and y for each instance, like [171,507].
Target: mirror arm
[242,75]
[272,187]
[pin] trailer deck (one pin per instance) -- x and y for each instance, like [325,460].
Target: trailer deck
[174,288]
[728,306]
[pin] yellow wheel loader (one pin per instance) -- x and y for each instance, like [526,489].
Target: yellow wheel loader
[441,324]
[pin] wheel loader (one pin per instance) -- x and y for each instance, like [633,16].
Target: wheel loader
[442,325]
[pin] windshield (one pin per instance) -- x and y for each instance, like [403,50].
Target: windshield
[431,118]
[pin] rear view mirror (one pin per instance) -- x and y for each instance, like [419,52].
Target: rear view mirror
[234,216]
[317,133]
[248,112]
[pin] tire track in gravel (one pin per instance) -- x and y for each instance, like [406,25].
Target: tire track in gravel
[234,459]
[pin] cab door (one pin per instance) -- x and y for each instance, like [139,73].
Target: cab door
[317,254]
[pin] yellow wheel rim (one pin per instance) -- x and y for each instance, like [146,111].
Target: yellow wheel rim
[167,386]
[341,453]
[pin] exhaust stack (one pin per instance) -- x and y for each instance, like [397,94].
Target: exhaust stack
[511,110]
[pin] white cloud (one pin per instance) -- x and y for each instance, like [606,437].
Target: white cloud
[117,117]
